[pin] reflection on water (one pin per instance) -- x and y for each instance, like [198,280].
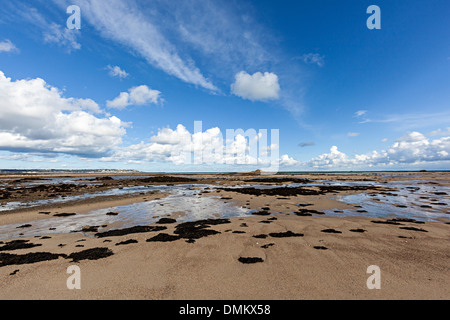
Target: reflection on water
[184,203]
[412,199]
[61,199]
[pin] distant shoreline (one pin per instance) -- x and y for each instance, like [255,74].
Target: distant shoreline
[120,172]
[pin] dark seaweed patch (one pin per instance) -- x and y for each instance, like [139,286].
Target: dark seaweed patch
[406,220]
[165,179]
[7,259]
[261,213]
[413,229]
[166,221]
[24,226]
[331,231]
[17,245]
[307,212]
[280,180]
[295,191]
[260,236]
[320,248]
[90,229]
[197,229]
[285,234]
[64,214]
[90,254]
[126,242]
[123,232]
[267,245]
[163,237]
[358,230]
[386,222]
[250,260]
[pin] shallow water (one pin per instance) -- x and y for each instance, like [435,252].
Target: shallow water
[184,204]
[112,192]
[405,202]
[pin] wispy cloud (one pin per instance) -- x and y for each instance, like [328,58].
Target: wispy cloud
[123,22]
[62,36]
[50,31]
[7,46]
[413,121]
[312,58]
[361,115]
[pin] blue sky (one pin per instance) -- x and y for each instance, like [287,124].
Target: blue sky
[125,90]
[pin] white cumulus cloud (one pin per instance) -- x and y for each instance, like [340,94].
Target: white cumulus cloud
[35,117]
[116,71]
[136,96]
[412,149]
[256,87]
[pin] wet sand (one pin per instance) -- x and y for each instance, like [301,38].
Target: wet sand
[287,249]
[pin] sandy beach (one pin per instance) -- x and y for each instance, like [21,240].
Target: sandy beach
[301,238]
